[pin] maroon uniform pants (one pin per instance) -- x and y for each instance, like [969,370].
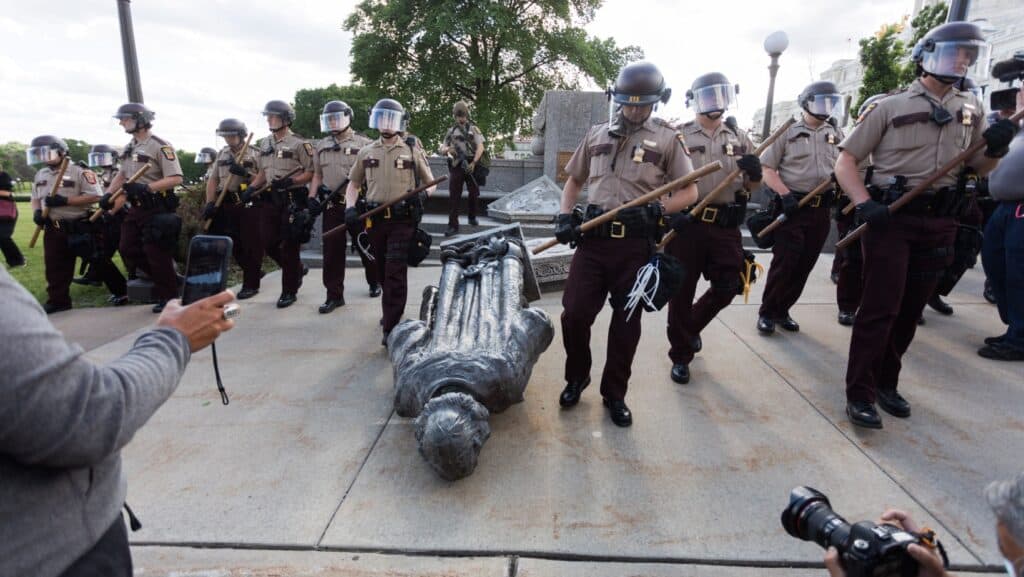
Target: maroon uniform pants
[456,178]
[851,278]
[146,256]
[717,253]
[243,226]
[798,243]
[334,254]
[273,223]
[59,262]
[602,267]
[902,266]
[389,242]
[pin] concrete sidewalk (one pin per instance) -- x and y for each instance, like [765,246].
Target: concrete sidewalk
[309,471]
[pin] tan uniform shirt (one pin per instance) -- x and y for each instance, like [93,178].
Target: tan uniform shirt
[107,176]
[723,145]
[277,157]
[335,156]
[903,141]
[222,166]
[77,182]
[154,150]
[804,156]
[459,142]
[618,170]
[387,169]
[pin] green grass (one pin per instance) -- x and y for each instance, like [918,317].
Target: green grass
[33,277]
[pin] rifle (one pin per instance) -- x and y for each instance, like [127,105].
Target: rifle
[718,190]
[53,192]
[229,182]
[655,194]
[803,202]
[370,213]
[138,174]
[925,184]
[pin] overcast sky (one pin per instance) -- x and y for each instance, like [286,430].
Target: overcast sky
[61,69]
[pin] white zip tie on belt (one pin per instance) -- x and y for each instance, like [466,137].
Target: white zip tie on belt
[643,289]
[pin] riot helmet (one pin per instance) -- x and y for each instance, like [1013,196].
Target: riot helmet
[45,149]
[232,127]
[388,117]
[336,117]
[281,109]
[821,100]
[711,94]
[639,84]
[138,112]
[206,155]
[102,155]
[952,51]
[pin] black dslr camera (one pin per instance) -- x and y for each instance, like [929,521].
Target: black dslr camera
[1007,71]
[866,549]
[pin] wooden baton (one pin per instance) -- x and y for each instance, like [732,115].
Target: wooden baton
[229,182]
[803,202]
[138,174]
[655,194]
[343,227]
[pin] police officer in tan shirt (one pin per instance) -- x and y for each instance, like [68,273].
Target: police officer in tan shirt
[150,229]
[107,231]
[277,155]
[332,162]
[710,243]
[389,167]
[68,233]
[240,221]
[794,164]
[909,135]
[618,161]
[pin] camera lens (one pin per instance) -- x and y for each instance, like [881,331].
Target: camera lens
[809,516]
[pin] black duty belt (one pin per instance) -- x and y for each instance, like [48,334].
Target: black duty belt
[941,202]
[635,222]
[73,225]
[724,215]
[397,212]
[823,200]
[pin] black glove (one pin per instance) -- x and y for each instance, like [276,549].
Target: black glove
[874,213]
[282,184]
[998,137]
[751,166]
[314,206]
[209,210]
[38,218]
[789,204]
[566,231]
[352,220]
[245,197]
[323,192]
[135,191]
[237,169]
[680,222]
[55,201]
[106,201]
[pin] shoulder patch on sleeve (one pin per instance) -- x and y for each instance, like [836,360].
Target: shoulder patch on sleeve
[89,176]
[168,152]
[867,111]
[308,147]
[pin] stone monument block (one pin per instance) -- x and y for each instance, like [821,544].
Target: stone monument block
[536,201]
[561,121]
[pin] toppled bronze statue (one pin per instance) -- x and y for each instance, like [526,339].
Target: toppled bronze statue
[472,351]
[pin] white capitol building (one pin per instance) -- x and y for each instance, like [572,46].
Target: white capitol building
[1003,21]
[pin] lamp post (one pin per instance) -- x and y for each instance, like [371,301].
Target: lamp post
[775,44]
[131,60]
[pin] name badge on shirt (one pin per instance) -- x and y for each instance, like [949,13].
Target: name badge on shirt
[729,151]
[285,154]
[968,114]
[830,138]
[403,162]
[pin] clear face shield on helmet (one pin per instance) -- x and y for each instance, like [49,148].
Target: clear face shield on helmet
[44,154]
[274,120]
[714,98]
[386,120]
[101,159]
[824,106]
[957,59]
[334,122]
[205,157]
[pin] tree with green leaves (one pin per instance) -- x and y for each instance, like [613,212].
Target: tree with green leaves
[500,56]
[309,102]
[882,59]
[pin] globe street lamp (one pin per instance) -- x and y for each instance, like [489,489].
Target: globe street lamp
[775,44]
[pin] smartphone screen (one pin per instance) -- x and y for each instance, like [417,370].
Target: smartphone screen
[207,271]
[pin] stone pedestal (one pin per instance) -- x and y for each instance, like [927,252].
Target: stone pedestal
[536,201]
[562,120]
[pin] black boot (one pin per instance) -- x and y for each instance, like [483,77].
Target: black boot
[846,319]
[572,391]
[765,325]
[375,290]
[331,304]
[940,305]
[620,413]
[863,414]
[789,324]
[286,300]
[247,293]
[893,403]
[680,373]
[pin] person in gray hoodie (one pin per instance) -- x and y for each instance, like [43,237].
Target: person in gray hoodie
[63,422]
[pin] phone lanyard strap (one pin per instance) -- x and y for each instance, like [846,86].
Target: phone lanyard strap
[216,371]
